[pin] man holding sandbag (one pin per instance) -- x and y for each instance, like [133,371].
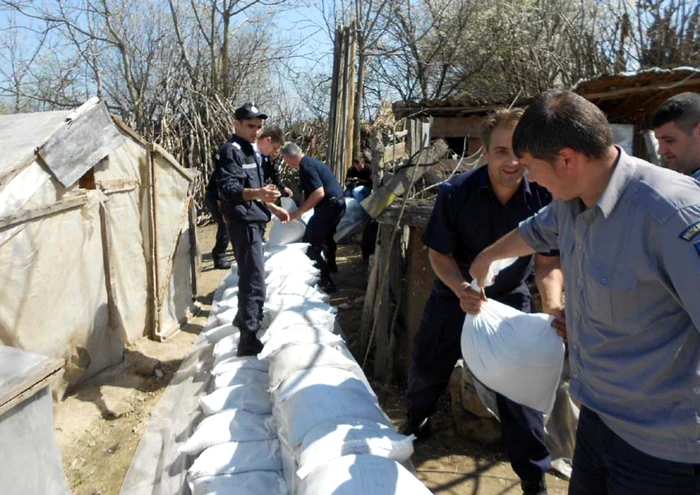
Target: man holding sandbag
[472,210]
[629,237]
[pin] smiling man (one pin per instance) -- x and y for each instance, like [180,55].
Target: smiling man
[473,210]
[629,237]
[676,125]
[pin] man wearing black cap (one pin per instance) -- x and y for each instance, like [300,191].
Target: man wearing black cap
[246,203]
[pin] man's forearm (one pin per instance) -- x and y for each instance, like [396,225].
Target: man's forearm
[251,194]
[313,199]
[511,245]
[446,269]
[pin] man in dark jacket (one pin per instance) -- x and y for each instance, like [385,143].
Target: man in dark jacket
[269,144]
[323,194]
[246,203]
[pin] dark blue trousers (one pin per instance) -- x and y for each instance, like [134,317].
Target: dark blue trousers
[320,231]
[605,464]
[247,240]
[218,253]
[436,349]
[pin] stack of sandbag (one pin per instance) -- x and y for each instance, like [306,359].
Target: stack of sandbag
[516,354]
[301,416]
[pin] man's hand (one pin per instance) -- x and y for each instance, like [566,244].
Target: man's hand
[479,269]
[288,192]
[281,213]
[268,194]
[295,215]
[470,300]
[559,322]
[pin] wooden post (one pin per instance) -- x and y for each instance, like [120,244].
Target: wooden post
[110,276]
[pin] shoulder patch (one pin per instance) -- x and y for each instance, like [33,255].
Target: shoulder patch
[691,232]
[236,145]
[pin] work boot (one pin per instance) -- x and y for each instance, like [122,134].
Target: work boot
[419,427]
[222,264]
[327,285]
[534,487]
[248,344]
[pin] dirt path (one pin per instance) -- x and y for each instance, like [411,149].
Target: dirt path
[99,425]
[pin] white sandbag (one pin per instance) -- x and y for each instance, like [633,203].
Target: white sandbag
[235,425]
[328,441]
[231,280]
[226,315]
[229,293]
[301,289]
[244,376]
[285,233]
[296,334]
[314,314]
[314,396]
[276,303]
[289,466]
[226,345]
[362,475]
[294,358]
[516,354]
[216,334]
[288,260]
[352,220]
[253,399]
[251,483]
[231,362]
[308,278]
[237,457]
[271,251]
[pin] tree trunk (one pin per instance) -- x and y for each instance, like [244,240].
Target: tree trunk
[359,96]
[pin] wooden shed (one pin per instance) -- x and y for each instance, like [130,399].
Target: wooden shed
[97,240]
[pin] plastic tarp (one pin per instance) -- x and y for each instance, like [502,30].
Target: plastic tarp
[54,299]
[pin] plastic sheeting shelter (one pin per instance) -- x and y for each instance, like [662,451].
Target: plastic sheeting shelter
[97,240]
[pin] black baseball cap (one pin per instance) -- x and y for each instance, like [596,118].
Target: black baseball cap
[249,111]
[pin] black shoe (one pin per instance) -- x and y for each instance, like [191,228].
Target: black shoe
[327,285]
[332,267]
[534,487]
[420,428]
[248,344]
[222,265]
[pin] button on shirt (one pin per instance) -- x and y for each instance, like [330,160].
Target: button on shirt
[633,304]
[314,174]
[468,217]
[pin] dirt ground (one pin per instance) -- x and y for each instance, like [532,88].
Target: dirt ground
[99,425]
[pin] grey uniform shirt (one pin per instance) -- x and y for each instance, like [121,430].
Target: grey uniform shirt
[631,268]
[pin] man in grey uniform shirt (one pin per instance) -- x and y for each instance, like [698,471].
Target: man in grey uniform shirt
[629,237]
[676,125]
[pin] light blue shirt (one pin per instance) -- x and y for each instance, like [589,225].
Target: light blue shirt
[631,268]
[696,174]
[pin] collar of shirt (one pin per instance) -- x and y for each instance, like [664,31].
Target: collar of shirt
[620,178]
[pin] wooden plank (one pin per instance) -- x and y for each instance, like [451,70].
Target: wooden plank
[416,213]
[81,143]
[187,173]
[451,127]
[394,152]
[152,254]
[383,310]
[116,186]
[368,306]
[638,89]
[195,254]
[400,182]
[43,211]
[22,374]
[110,275]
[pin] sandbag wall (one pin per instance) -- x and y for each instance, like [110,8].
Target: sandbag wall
[300,417]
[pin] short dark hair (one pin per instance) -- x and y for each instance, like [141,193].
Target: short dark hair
[501,117]
[559,119]
[275,133]
[358,159]
[683,109]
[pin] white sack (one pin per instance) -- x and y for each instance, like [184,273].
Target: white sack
[362,475]
[231,362]
[307,278]
[251,483]
[516,354]
[271,251]
[226,345]
[297,334]
[300,289]
[353,218]
[244,376]
[310,397]
[328,441]
[288,260]
[285,233]
[276,303]
[226,315]
[294,358]
[220,332]
[254,399]
[229,426]
[233,457]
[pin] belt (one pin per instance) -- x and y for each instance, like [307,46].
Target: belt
[336,200]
